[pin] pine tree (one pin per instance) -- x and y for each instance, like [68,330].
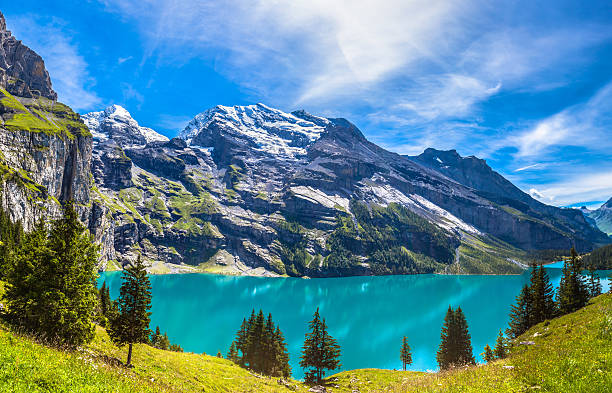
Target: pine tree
[448,347]
[268,347]
[320,351]
[405,354]
[241,340]
[132,324]
[520,313]
[232,354]
[488,355]
[164,342]
[51,287]
[282,355]
[464,341]
[594,283]
[500,349]
[543,305]
[573,292]
[156,337]
[455,342]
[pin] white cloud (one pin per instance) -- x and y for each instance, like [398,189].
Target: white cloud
[577,189]
[122,60]
[528,167]
[67,68]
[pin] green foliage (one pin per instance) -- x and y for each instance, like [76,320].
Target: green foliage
[405,354]
[488,355]
[260,346]
[393,239]
[162,341]
[51,287]
[320,351]
[455,342]
[501,349]
[11,236]
[131,325]
[600,259]
[573,291]
[520,313]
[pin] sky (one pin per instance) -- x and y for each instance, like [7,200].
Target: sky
[525,85]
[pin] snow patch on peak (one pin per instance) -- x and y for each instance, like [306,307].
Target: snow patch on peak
[116,122]
[271,130]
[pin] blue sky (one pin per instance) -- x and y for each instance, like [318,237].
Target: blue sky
[527,87]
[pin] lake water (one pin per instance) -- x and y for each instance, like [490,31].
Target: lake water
[367,315]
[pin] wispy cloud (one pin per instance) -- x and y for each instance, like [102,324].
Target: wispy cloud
[530,167]
[122,60]
[577,189]
[69,72]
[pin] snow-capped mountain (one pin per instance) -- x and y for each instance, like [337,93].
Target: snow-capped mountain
[116,123]
[264,129]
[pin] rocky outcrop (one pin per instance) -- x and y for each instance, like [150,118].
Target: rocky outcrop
[22,71]
[602,217]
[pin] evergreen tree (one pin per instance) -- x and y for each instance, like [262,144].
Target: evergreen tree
[488,355]
[464,341]
[11,236]
[132,324]
[320,351]
[164,342]
[260,346]
[573,291]
[500,349]
[51,287]
[177,348]
[405,354]
[105,300]
[543,305]
[520,313]
[232,354]
[156,337]
[594,282]
[282,367]
[455,342]
[448,346]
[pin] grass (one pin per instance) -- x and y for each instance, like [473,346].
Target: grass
[572,353]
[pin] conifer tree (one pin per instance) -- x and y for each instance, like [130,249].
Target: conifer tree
[573,292]
[520,313]
[594,283]
[320,351]
[156,337]
[51,287]
[455,342]
[241,340]
[282,367]
[405,354]
[464,341]
[543,305]
[488,355]
[232,354]
[500,349]
[132,324]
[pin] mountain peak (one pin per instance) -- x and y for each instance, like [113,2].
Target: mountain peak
[116,123]
[264,129]
[22,71]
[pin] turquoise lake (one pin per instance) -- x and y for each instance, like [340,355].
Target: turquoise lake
[368,315]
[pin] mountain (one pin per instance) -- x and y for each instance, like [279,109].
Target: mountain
[602,217]
[116,123]
[45,149]
[255,190]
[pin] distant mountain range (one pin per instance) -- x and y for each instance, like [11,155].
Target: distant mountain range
[255,190]
[601,217]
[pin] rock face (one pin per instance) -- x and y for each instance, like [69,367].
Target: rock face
[602,217]
[251,187]
[22,71]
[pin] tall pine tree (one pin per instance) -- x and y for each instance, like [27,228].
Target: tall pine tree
[595,287]
[320,351]
[51,287]
[542,293]
[405,354]
[573,292]
[520,313]
[132,324]
[455,342]
[488,355]
[500,349]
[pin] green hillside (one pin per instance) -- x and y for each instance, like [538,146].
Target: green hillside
[572,353]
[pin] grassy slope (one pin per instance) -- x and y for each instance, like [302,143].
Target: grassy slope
[570,355]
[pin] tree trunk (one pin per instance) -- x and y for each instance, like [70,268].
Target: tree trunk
[129,359]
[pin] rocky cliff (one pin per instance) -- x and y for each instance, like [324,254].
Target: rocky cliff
[45,149]
[602,217]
